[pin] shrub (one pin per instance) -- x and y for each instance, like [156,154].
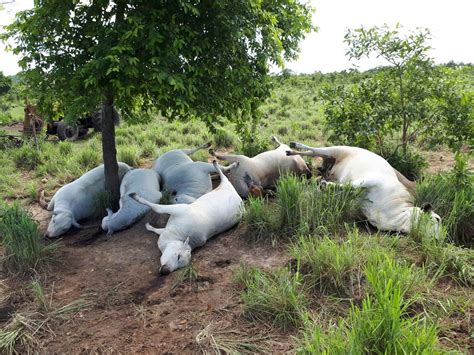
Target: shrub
[258,217]
[129,155]
[410,164]
[222,138]
[276,296]
[452,197]
[22,239]
[27,157]
[88,158]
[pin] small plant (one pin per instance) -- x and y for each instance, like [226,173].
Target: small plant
[276,296]
[257,217]
[27,157]
[32,191]
[88,158]
[187,275]
[129,155]
[22,239]
[102,201]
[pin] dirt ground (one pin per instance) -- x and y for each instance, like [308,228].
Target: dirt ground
[134,309]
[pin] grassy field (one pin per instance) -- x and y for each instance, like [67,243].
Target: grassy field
[346,288]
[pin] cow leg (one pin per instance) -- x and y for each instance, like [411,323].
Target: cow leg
[194,150]
[169,209]
[158,231]
[231,158]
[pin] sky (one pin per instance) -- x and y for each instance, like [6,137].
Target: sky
[451,24]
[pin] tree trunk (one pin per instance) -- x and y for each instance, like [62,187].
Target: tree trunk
[112,181]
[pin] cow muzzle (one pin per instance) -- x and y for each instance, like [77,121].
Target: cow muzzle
[164,270]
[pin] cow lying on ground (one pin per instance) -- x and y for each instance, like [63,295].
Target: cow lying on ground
[145,182]
[184,178]
[389,205]
[76,200]
[191,225]
[254,175]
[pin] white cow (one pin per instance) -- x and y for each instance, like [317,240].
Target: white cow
[184,178]
[76,200]
[389,204]
[191,225]
[254,175]
[145,182]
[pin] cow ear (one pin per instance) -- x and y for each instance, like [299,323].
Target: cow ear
[427,207]
[186,242]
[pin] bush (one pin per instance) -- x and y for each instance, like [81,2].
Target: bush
[88,158]
[276,296]
[27,157]
[452,197]
[410,164]
[129,155]
[21,239]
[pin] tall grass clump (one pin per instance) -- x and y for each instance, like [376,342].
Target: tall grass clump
[27,157]
[276,296]
[65,148]
[441,257]
[329,207]
[22,240]
[258,217]
[223,139]
[148,149]
[289,193]
[452,197]
[381,325]
[332,267]
[129,155]
[88,158]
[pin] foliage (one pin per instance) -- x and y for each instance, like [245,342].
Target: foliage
[289,195]
[452,196]
[5,84]
[21,238]
[410,163]
[409,100]
[129,155]
[274,296]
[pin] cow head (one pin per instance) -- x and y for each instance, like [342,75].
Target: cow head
[60,223]
[176,255]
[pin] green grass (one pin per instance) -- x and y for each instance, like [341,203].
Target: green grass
[260,219]
[452,197]
[275,296]
[381,324]
[27,157]
[88,158]
[21,238]
[129,155]
[289,195]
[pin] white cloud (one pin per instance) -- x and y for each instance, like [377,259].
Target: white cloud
[450,23]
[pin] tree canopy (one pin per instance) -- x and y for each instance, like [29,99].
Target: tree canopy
[206,59]
[187,58]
